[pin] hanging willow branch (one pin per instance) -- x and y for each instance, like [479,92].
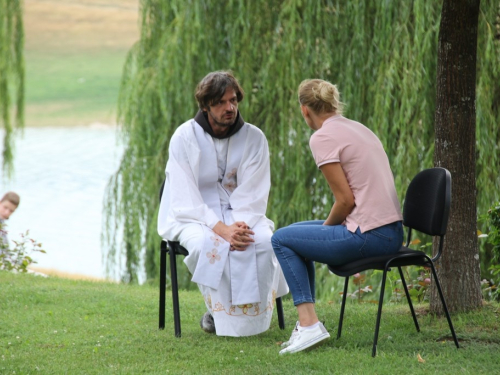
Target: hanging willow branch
[382,55]
[11,74]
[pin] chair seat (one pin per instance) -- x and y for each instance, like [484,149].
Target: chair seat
[405,257]
[178,249]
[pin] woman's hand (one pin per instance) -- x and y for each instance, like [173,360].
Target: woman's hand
[344,198]
[237,234]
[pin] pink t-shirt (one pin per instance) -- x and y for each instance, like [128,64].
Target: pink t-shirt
[366,167]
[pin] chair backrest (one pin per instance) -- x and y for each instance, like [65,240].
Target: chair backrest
[427,202]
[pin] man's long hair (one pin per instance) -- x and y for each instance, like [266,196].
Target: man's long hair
[213,87]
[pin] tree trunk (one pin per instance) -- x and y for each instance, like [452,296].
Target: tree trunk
[455,150]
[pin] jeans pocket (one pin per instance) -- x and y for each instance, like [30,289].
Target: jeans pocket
[383,240]
[380,242]
[381,235]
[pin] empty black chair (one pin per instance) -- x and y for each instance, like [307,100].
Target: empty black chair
[426,209]
[174,249]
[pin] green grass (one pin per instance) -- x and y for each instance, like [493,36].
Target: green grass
[58,326]
[72,88]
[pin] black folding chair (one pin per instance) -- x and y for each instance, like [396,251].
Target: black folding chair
[174,249]
[426,209]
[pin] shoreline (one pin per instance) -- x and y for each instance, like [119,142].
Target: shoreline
[51,272]
[69,125]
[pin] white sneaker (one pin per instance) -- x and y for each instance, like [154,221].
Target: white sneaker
[307,338]
[292,337]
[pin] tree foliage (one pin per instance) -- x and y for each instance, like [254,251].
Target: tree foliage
[11,74]
[382,55]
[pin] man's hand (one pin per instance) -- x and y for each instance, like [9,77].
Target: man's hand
[237,234]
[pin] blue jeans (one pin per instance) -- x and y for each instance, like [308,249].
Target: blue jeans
[299,245]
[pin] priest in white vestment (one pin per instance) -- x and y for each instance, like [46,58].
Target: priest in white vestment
[214,203]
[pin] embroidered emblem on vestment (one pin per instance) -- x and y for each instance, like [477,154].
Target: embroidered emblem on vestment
[213,256]
[217,240]
[231,177]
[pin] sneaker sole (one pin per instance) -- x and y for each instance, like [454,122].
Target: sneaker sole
[309,344]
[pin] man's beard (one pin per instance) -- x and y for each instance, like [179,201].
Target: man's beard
[222,124]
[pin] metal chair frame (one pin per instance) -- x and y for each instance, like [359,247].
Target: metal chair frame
[406,256]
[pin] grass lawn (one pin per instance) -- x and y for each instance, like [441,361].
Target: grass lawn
[74,89]
[74,54]
[59,326]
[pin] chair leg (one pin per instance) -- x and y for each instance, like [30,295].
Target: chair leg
[281,317]
[342,308]
[163,272]
[379,313]
[175,292]
[409,299]
[445,308]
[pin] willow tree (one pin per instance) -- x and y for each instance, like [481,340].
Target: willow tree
[382,55]
[11,74]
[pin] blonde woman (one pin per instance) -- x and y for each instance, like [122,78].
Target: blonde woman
[365,219]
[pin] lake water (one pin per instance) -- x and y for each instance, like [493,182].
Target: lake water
[61,175]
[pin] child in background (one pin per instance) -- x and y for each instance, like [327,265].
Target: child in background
[8,205]
[18,258]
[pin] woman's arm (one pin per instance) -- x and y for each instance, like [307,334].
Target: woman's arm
[344,199]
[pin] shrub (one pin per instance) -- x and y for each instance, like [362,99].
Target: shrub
[18,258]
[492,219]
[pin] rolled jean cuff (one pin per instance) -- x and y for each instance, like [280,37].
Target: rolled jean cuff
[303,300]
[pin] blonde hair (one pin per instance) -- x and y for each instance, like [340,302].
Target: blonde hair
[12,198]
[320,96]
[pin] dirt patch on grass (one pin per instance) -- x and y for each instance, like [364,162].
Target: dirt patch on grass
[66,40]
[63,114]
[64,275]
[63,25]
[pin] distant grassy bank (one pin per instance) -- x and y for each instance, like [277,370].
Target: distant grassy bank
[58,326]
[76,89]
[74,54]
